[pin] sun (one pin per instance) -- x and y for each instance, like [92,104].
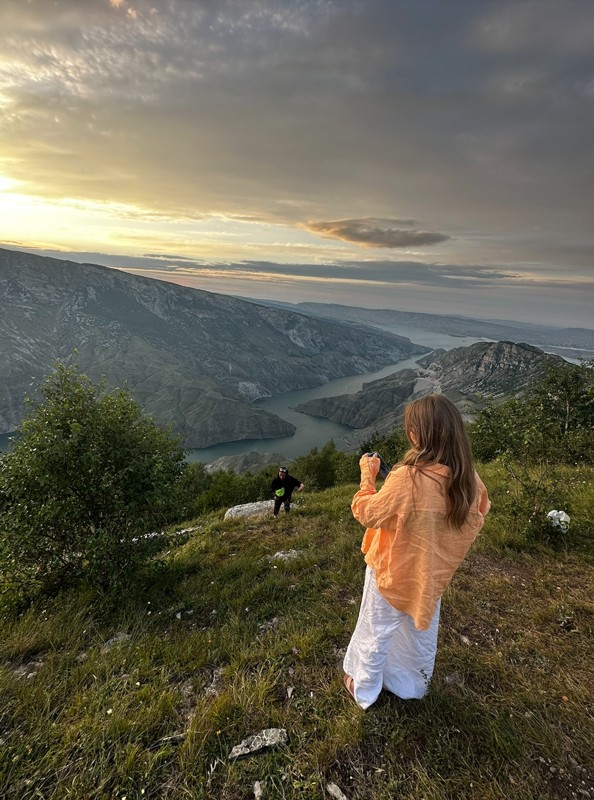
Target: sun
[7,184]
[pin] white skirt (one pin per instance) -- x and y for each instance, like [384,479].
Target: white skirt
[386,650]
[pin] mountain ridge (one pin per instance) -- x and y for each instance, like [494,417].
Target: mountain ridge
[573,342]
[192,359]
[467,375]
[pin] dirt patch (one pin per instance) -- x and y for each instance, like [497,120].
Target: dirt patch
[482,565]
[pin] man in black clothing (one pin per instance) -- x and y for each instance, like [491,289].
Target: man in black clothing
[282,486]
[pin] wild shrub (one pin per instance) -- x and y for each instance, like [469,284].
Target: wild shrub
[553,424]
[226,489]
[87,477]
[347,468]
[194,481]
[317,469]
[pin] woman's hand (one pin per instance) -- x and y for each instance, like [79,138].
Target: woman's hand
[370,464]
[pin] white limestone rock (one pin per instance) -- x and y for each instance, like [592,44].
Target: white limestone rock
[286,555]
[335,791]
[250,509]
[269,737]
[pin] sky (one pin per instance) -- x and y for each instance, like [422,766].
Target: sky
[422,155]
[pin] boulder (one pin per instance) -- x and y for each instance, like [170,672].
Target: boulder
[250,509]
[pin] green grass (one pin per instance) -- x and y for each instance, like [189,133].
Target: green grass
[220,636]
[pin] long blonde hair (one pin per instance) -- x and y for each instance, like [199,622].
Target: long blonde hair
[435,429]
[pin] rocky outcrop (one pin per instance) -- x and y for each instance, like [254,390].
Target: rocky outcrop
[192,359]
[250,509]
[362,409]
[492,369]
[467,375]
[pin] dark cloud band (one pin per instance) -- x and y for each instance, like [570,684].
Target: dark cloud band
[371,232]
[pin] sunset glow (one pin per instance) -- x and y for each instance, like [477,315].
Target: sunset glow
[308,135]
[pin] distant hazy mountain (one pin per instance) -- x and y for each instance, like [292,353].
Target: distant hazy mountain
[191,358]
[569,342]
[467,375]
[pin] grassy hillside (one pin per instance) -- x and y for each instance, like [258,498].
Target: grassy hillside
[220,640]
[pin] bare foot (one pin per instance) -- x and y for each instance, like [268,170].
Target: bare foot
[350,685]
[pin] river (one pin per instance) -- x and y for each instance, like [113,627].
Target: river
[313,431]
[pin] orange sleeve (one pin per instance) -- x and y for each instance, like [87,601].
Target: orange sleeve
[378,509]
[484,503]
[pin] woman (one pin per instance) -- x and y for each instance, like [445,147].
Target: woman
[420,526]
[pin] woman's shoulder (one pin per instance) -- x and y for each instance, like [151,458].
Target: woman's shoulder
[400,471]
[419,473]
[479,480]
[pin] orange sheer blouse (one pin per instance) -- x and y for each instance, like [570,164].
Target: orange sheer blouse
[408,543]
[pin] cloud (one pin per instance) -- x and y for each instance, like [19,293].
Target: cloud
[473,291]
[372,232]
[475,118]
[537,26]
[168,257]
[279,109]
[377,272]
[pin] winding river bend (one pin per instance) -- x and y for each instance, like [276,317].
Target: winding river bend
[313,431]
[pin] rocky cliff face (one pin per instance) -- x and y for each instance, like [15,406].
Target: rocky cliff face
[467,375]
[490,369]
[191,358]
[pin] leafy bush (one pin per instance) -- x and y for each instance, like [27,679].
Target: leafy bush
[88,475]
[552,425]
[534,491]
[347,468]
[226,489]
[200,491]
[194,482]
[317,470]
[553,422]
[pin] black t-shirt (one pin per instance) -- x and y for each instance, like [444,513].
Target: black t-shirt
[288,484]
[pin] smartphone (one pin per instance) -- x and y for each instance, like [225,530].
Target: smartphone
[384,469]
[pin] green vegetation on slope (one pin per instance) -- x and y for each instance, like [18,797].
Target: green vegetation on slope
[88,477]
[138,679]
[224,640]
